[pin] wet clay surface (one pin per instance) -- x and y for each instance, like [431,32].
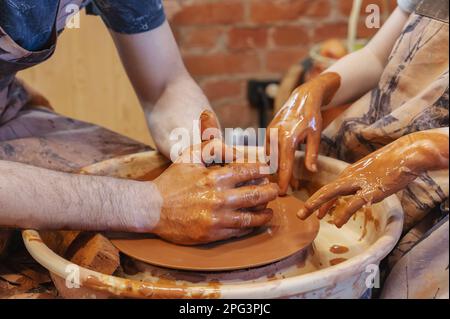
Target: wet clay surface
[284,236]
[338,249]
[300,120]
[336,261]
[379,175]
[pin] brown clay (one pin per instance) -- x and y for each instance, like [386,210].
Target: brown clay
[368,219]
[379,175]
[94,252]
[336,261]
[300,119]
[158,290]
[58,241]
[282,237]
[338,249]
[208,120]
[203,204]
[149,176]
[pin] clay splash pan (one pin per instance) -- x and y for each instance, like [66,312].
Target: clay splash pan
[284,236]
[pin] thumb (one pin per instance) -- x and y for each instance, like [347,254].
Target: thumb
[209,126]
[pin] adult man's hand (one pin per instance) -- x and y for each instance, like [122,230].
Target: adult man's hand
[203,204]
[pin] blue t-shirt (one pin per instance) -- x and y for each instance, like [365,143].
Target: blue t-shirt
[30,23]
[408,5]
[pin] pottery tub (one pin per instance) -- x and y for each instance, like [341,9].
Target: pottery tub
[316,272]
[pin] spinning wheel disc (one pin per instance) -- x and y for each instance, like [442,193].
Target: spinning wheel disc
[281,238]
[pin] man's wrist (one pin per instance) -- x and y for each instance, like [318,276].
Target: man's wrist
[116,204]
[142,207]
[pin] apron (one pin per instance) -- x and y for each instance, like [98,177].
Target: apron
[37,136]
[412,95]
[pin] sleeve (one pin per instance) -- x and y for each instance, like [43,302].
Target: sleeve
[131,16]
[408,5]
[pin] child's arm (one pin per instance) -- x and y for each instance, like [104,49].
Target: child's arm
[360,71]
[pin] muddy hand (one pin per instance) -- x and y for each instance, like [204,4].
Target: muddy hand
[300,119]
[380,175]
[205,204]
[209,126]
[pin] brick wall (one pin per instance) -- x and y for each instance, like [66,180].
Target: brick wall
[226,42]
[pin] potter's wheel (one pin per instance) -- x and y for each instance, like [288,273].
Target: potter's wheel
[306,274]
[284,236]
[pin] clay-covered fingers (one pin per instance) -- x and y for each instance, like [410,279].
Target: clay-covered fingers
[286,155]
[347,208]
[312,148]
[250,196]
[208,152]
[271,131]
[235,174]
[194,153]
[258,208]
[340,187]
[257,181]
[209,126]
[326,208]
[243,219]
[216,151]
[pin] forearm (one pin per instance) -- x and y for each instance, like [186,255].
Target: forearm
[355,79]
[430,149]
[179,107]
[361,71]
[169,96]
[32,197]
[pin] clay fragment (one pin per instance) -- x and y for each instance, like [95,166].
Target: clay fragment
[92,251]
[59,241]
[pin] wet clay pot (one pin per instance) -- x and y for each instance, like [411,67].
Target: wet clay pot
[339,264]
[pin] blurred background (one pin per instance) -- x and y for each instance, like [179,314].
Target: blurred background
[224,43]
